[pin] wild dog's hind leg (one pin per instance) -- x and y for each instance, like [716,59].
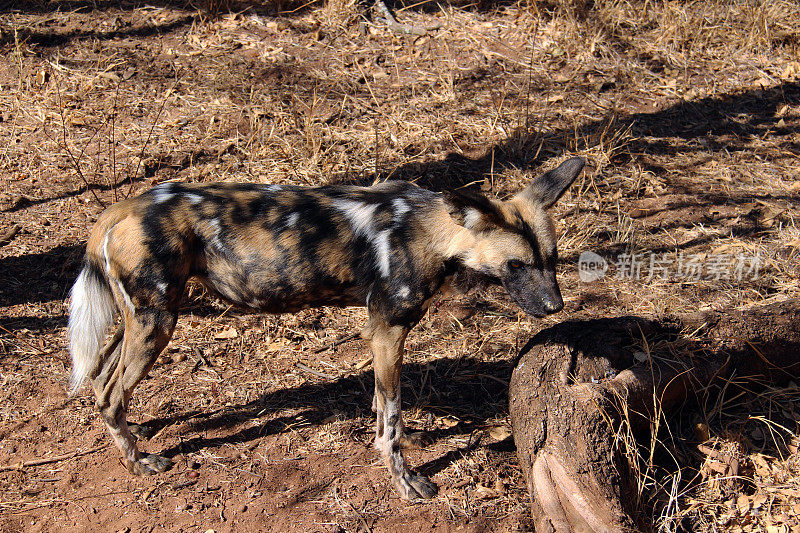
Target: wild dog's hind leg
[108,360]
[147,332]
[387,343]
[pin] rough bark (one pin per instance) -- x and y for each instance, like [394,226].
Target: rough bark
[575,381]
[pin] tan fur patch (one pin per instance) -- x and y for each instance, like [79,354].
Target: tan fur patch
[253,239]
[336,260]
[480,247]
[124,248]
[537,218]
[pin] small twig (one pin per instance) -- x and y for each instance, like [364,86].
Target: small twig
[204,364]
[55,459]
[361,520]
[337,342]
[9,235]
[397,27]
[113,143]
[150,135]
[76,162]
[201,357]
[23,341]
[493,378]
[304,368]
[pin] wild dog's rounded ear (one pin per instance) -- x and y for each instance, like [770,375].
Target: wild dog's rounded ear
[548,188]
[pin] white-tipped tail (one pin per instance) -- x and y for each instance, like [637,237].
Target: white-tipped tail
[91,313]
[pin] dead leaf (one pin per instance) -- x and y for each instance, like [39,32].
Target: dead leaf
[701,432]
[791,71]
[743,503]
[276,345]
[499,433]
[449,421]
[483,492]
[227,333]
[364,363]
[794,443]
[41,77]
[111,76]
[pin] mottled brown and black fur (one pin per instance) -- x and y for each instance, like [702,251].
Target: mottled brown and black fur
[270,248]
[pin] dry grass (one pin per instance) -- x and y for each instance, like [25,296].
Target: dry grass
[664,98]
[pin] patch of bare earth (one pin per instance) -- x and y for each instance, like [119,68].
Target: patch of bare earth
[689,114]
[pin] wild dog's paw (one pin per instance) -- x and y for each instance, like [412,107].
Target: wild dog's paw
[140,431]
[415,487]
[150,464]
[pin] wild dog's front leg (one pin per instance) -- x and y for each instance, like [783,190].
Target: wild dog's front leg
[387,343]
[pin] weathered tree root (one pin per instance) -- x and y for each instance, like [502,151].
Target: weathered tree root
[575,381]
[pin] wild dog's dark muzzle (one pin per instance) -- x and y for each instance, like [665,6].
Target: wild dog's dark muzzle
[537,293]
[553,303]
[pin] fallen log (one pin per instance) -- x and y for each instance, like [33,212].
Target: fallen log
[576,382]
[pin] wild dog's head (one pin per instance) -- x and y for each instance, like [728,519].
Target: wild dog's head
[514,240]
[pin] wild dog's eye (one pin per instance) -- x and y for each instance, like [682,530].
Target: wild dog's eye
[514,264]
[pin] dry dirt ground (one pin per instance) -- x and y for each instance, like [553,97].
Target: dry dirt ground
[689,113]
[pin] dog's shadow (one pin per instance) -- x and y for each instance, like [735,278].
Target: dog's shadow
[470,393]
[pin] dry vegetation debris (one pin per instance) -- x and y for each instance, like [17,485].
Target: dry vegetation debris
[689,113]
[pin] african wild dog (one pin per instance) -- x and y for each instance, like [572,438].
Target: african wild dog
[272,248]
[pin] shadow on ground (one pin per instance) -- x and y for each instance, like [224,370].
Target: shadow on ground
[475,392]
[39,277]
[725,123]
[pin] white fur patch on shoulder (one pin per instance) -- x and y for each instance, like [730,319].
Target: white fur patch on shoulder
[381,244]
[193,198]
[471,217]
[401,207]
[359,214]
[216,231]
[362,219]
[163,193]
[292,219]
[404,292]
